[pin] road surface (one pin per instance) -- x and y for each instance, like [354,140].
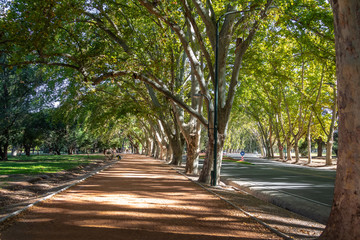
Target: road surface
[304,190]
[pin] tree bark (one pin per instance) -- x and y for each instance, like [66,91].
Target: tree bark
[177,146]
[288,149]
[205,174]
[319,142]
[3,151]
[329,147]
[281,151]
[27,150]
[308,139]
[344,220]
[330,139]
[192,155]
[296,148]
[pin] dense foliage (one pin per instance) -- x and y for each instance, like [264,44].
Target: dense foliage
[276,73]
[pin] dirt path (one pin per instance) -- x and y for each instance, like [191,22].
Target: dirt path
[138,198]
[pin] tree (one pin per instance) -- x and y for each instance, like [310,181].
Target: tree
[17,100]
[34,130]
[100,42]
[249,22]
[344,218]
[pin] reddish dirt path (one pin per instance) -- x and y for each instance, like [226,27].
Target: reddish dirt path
[137,198]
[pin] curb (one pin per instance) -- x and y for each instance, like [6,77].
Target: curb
[318,212]
[13,214]
[277,232]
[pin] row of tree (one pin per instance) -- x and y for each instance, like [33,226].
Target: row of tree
[288,88]
[30,121]
[149,68]
[156,60]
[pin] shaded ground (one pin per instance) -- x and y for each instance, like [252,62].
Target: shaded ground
[18,190]
[137,198]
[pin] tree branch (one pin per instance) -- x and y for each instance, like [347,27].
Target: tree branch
[238,58]
[207,56]
[168,94]
[112,35]
[209,21]
[179,32]
[97,80]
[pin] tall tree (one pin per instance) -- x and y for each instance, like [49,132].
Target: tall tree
[17,96]
[344,218]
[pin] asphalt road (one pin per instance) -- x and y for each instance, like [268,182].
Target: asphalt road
[304,190]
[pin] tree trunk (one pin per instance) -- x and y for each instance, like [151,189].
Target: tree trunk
[208,167]
[330,139]
[319,142]
[329,147]
[156,150]
[344,220]
[3,151]
[296,148]
[270,141]
[281,151]
[177,151]
[205,174]
[308,138]
[169,155]
[192,155]
[27,150]
[4,146]
[149,147]
[70,151]
[163,152]
[288,149]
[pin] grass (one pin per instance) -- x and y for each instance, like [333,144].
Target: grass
[41,164]
[237,161]
[229,159]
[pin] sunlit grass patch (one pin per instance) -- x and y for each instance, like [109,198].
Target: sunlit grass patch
[40,164]
[237,161]
[230,159]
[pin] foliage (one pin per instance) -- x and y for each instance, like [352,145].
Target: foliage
[19,99]
[114,44]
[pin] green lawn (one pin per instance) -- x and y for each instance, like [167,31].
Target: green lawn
[229,159]
[39,164]
[237,161]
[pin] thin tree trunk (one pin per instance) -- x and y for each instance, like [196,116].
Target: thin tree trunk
[27,150]
[288,149]
[329,147]
[320,147]
[3,151]
[330,141]
[296,148]
[270,141]
[308,138]
[281,152]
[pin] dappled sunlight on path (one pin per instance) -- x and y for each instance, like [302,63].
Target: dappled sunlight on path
[138,198]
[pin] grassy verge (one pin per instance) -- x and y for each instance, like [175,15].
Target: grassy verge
[229,159]
[40,164]
[237,161]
